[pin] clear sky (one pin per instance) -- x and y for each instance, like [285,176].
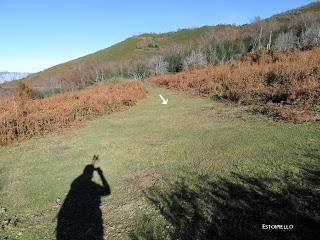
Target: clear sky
[36,34]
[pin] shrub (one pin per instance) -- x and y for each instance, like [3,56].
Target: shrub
[175,63]
[37,94]
[23,90]
[152,43]
[273,78]
[139,72]
[225,52]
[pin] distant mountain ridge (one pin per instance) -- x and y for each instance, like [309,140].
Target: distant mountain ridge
[10,76]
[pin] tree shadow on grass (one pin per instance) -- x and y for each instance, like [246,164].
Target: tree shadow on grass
[80,216]
[236,208]
[313,154]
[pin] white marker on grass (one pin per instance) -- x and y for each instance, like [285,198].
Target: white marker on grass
[164,101]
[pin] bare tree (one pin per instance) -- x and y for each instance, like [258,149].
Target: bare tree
[259,39]
[259,29]
[99,71]
[255,25]
[158,65]
[195,58]
[83,72]
[271,25]
[269,42]
[217,36]
[175,48]
[286,41]
[311,37]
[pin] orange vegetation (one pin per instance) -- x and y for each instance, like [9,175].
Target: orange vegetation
[285,85]
[22,117]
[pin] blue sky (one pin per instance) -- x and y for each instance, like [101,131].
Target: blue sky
[38,34]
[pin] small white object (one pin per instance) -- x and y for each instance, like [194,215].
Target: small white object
[164,101]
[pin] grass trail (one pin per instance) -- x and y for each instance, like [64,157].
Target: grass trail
[188,137]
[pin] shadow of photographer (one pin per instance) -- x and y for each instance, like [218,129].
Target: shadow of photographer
[80,216]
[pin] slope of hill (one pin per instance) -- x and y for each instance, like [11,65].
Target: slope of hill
[288,15]
[146,45]
[133,48]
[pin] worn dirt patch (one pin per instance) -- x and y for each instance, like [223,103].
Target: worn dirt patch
[146,178]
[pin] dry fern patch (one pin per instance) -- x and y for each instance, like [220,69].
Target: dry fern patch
[285,85]
[22,117]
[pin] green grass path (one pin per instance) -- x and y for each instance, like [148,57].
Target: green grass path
[189,136]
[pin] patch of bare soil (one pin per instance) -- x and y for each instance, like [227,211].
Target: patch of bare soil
[146,178]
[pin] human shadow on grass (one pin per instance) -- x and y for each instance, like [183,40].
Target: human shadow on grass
[234,208]
[80,216]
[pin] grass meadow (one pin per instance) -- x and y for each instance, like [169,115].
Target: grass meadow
[192,169]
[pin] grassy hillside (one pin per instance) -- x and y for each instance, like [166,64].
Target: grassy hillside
[207,169]
[287,16]
[133,48]
[137,47]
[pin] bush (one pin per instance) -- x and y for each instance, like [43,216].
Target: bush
[175,63]
[225,52]
[139,72]
[23,90]
[38,94]
[273,78]
[152,43]
[44,94]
